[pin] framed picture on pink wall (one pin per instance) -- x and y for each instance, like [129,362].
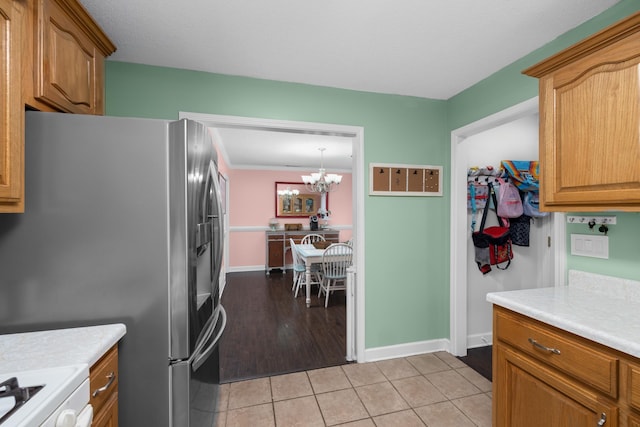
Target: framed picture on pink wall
[293,200]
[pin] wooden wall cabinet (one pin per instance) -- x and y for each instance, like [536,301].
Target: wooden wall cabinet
[52,59]
[277,245]
[66,53]
[103,380]
[543,375]
[11,108]
[590,122]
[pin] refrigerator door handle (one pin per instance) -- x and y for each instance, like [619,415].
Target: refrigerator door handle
[218,218]
[207,332]
[201,358]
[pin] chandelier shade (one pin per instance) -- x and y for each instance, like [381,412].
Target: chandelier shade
[321,182]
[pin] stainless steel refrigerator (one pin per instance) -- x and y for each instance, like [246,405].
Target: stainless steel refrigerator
[123,223]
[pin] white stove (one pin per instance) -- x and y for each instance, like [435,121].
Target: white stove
[61,401]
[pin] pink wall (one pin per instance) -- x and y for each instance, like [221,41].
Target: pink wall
[252,203]
[253,200]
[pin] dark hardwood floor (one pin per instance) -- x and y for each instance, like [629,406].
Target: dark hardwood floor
[270,332]
[479,359]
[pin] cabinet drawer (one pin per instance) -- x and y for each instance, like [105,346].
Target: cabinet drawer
[103,379]
[296,238]
[568,353]
[332,237]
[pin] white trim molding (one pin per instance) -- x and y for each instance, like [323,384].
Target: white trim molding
[263,228]
[458,231]
[356,133]
[406,349]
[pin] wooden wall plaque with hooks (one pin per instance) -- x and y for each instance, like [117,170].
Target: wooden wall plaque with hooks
[392,179]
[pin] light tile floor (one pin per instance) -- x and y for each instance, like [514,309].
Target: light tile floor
[433,390]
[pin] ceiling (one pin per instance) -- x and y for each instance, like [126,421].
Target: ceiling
[419,48]
[247,148]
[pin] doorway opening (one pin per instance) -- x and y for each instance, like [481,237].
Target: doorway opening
[547,257]
[354,350]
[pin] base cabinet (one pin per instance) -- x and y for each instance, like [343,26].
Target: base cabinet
[528,394]
[545,376]
[103,380]
[275,251]
[108,416]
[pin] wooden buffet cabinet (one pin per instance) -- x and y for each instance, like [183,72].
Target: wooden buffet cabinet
[547,376]
[277,244]
[590,122]
[103,379]
[52,57]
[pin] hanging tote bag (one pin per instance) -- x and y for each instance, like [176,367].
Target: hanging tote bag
[524,173]
[477,180]
[477,195]
[531,205]
[509,201]
[520,229]
[492,244]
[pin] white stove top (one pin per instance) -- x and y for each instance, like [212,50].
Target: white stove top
[59,383]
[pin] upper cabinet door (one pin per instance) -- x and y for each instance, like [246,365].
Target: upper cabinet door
[69,59]
[590,122]
[11,108]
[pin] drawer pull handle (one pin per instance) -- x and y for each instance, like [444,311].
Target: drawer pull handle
[603,419]
[111,377]
[543,347]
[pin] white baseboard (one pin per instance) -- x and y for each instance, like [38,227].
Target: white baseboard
[404,350]
[242,268]
[422,347]
[480,340]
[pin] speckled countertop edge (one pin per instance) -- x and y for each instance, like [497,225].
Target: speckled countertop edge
[609,320]
[59,347]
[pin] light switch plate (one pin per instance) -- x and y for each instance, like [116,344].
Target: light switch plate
[591,245]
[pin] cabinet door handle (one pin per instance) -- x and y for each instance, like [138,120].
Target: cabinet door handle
[544,347]
[603,419]
[111,377]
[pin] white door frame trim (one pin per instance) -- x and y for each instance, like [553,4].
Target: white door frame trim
[358,169]
[459,232]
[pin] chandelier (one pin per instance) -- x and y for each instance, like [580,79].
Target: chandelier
[321,182]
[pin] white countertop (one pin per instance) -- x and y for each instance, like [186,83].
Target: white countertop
[607,318]
[59,347]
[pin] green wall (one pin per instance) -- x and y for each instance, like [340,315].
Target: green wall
[624,247]
[407,284]
[407,238]
[508,87]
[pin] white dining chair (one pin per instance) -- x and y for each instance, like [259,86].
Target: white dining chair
[310,239]
[300,271]
[335,261]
